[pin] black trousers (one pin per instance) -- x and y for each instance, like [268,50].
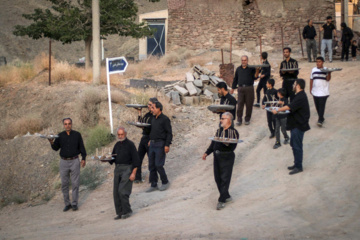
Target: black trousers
[142,151]
[122,189]
[245,97]
[345,50]
[223,166]
[157,157]
[280,123]
[288,86]
[320,103]
[261,85]
[271,121]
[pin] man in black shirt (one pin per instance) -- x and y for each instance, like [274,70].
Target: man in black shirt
[347,36]
[309,34]
[264,76]
[159,146]
[144,142]
[226,98]
[71,144]
[271,95]
[329,29]
[224,157]
[126,163]
[244,82]
[297,123]
[288,76]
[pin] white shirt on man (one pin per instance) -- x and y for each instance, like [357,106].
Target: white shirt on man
[320,85]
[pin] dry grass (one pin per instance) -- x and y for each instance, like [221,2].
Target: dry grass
[17,73]
[21,126]
[198,60]
[41,62]
[89,106]
[63,71]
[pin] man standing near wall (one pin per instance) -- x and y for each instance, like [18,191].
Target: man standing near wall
[347,36]
[309,34]
[244,82]
[329,29]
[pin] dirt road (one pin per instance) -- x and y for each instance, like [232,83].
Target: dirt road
[320,203]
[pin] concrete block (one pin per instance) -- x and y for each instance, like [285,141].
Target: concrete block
[188,101]
[198,83]
[168,96]
[191,88]
[208,93]
[182,91]
[204,78]
[175,96]
[196,75]
[211,89]
[196,100]
[199,91]
[204,100]
[189,77]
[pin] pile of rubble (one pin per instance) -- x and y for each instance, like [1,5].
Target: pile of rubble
[198,87]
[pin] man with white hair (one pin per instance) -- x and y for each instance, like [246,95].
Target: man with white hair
[224,158]
[126,163]
[244,82]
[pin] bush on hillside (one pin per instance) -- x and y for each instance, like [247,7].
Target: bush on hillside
[98,137]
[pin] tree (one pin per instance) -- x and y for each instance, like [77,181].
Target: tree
[69,21]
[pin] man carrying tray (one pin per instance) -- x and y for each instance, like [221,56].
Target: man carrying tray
[297,123]
[289,77]
[319,88]
[226,98]
[224,158]
[126,163]
[143,145]
[71,144]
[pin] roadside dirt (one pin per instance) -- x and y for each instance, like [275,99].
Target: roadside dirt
[320,203]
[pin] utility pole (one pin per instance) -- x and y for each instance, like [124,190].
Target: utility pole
[345,11]
[96,41]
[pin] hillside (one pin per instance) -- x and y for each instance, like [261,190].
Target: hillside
[25,49]
[320,203]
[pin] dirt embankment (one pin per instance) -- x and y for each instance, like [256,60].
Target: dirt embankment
[320,203]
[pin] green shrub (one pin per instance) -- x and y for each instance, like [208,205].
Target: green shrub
[48,196]
[18,198]
[92,176]
[98,137]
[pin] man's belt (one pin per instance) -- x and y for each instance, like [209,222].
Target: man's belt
[71,158]
[244,85]
[218,151]
[157,140]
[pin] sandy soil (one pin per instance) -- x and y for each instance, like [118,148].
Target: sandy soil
[320,203]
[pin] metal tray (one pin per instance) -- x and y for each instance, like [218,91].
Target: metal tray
[136,105]
[270,109]
[271,102]
[48,136]
[139,124]
[215,108]
[259,66]
[105,159]
[225,140]
[330,69]
[290,69]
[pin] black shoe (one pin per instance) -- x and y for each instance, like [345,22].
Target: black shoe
[257,105]
[126,215]
[117,217]
[277,145]
[342,60]
[286,141]
[320,124]
[295,171]
[74,207]
[272,135]
[238,123]
[291,167]
[67,208]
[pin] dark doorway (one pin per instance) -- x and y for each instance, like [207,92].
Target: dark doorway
[156,44]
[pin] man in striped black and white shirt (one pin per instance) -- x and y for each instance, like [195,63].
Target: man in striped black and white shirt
[319,88]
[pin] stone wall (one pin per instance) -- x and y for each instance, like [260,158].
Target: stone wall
[209,24]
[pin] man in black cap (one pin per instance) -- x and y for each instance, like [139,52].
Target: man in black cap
[347,36]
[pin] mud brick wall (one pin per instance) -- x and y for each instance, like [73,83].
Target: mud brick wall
[210,23]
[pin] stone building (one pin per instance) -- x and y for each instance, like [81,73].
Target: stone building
[207,24]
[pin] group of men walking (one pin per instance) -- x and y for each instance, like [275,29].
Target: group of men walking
[155,142]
